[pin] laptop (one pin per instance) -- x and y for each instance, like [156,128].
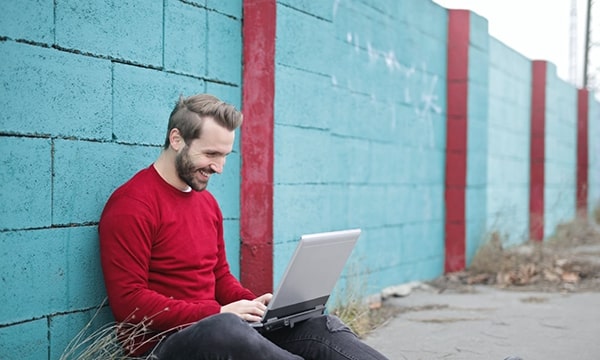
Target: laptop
[309,278]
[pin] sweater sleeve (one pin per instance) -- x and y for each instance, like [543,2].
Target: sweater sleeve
[125,232]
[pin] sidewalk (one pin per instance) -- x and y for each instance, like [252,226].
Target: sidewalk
[491,324]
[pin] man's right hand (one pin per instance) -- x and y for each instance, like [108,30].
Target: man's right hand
[249,310]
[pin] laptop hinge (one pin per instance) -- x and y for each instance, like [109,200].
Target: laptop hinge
[292,320]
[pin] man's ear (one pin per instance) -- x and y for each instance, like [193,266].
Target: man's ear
[176,140]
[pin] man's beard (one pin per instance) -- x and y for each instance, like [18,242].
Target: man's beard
[187,172]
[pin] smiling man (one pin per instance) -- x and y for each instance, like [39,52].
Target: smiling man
[164,264]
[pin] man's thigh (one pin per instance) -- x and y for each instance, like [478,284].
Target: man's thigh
[221,336]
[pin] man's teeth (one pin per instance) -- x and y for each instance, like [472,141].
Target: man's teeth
[204,173]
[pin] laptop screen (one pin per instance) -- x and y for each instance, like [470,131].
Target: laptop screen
[314,268]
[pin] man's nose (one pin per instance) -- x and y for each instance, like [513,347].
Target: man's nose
[217,165]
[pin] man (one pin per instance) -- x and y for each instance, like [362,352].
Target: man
[164,264]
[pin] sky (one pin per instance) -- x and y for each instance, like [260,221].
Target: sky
[538,29]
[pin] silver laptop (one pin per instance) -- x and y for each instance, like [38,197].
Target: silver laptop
[309,278]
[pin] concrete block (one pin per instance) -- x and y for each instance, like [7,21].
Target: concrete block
[129,30]
[476,204]
[227,93]
[28,340]
[344,103]
[384,248]
[76,199]
[359,200]
[186,44]
[477,103]
[197,3]
[476,168]
[474,239]
[85,325]
[225,48]
[477,134]
[231,228]
[398,203]
[383,165]
[308,91]
[479,36]
[339,209]
[143,101]
[28,20]
[293,163]
[230,8]
[351,22]
[376,217]
[84,281]
[319,9]
[304,41]
[26,182]
[300,209]
[48,271]
[422,241]
[479,69]
[71,93]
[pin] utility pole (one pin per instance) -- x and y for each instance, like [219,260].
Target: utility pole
[573,76]
[588,45]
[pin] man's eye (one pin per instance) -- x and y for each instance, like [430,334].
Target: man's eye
[216,155]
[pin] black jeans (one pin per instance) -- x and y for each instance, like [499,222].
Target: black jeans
[227,337]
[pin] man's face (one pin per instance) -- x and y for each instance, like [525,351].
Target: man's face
[197,161]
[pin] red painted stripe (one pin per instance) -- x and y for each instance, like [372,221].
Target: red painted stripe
[537,150]
[256,207]
[456,138]
[582,151]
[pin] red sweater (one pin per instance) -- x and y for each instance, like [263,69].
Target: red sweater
[163,255]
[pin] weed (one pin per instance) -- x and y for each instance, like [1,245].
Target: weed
[354,310]
[110,340]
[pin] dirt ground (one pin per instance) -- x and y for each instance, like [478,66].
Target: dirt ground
[569,261]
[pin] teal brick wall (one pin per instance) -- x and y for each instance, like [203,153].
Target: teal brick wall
[127,30]
[508,143]
[594,155]
[477,135]
[360,134]
[31,20]
[86,91]
[561,151]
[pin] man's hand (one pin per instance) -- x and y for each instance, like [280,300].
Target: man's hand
[249,310]
[264,298]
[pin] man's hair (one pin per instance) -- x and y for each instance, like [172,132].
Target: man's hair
[189,114]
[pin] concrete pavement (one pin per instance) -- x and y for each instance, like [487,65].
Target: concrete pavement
[490,323]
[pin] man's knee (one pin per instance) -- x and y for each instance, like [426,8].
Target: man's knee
[334,324]
[331,323]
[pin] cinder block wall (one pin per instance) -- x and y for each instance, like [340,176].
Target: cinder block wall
[87,90]
[477,134]
[360,133]
[594,155]
[561,151]
[508,143]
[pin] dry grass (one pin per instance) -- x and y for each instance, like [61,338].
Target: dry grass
[596,213]
[362,318]
[354,309]
[556,264]
[108,341]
